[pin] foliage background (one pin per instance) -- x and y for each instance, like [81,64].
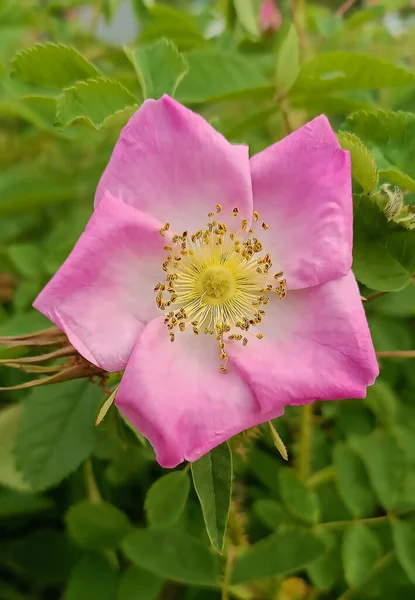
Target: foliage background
[85,512]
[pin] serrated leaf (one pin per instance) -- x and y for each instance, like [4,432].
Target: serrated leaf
[383,258]
[52,65]
[93,101]
[56,432]
[217,75]
[166,499]
[298,499]
[97,525]
[361,550]
[404,540]
[9,421]
[173,555]
[363,164]
[342,71]
[212,477]
[160,68]
[385,464]
[282,552]
[93,578]
[288,61]
[391,138]
[246,12]
[351,480]
[138,584]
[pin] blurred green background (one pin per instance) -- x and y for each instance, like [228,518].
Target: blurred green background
[339,517]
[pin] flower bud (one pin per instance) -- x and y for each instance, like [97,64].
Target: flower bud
[270,17]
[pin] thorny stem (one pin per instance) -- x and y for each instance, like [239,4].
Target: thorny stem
[305,441]
[344,8]
[396,354]
[228,572]
[382,563]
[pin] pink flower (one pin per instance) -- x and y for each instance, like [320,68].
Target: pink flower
[152,267]
[270,17]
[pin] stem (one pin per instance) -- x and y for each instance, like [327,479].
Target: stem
[305,441]
[374,296]
[321,477]
[344,8]
[298,11]
[396,354]
[368,521]
[90,483]
[228,573]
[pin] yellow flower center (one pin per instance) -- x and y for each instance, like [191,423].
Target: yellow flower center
[217,283]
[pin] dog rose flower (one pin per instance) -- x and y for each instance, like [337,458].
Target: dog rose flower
[222,285]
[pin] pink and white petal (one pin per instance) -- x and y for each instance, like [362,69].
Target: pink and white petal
[316,346]
[103,295]
[170,163]
[176,395]
[302,190]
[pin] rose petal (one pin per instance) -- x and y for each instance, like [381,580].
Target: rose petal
[302,190]
[170,163]
[103,294]
[316,345]
[176,395]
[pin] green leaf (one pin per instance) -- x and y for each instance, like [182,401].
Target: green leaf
[342,71]
[212,477]
[92,101]
[288,61]
[361,550]
[246,12]
[363,164]
[217,75]
[160,68]
[383,257]
[176,25]
[404,540]
[27,259]
[51,65]
[326,570]
[56,432]
[285,551]
[97,525]
[173,555]
[22,503]
[137,584]
[351,480]
[110,9]
[383,402]
[299,500]
[385,464]
[391,138]
[9,422]
[271,513]
[166,499]
[93,578]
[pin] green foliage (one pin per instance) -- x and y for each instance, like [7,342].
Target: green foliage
[96,525]
[212,476]
[93,100]
[160,68]
[288,61]
[166,499]
[172,554]
[85,511]
[56,431]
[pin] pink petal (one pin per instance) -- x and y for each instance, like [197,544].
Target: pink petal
[170,163]
[302,190]
[103,294]
[316,346]
[175,394]
[270,17]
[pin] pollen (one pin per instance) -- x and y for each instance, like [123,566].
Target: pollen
[218,283]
